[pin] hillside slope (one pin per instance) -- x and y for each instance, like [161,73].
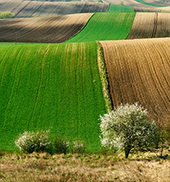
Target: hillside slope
[44,8]
[52,87]
[139,71]
[106,26]
[150,25]
[45,29]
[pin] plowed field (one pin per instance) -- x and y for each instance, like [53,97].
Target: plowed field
[139,71]
[150,25]
[42,8]
[47,29]
[6,5]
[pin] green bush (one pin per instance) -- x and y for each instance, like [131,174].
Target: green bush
[60,145]
[4,15]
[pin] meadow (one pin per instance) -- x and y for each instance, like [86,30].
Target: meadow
[106,26]
[52,87]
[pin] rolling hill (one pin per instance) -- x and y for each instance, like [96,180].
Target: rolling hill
[50,86]
[139,71]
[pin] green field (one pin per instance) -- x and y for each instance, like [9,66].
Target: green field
[106,26]
[50,86]
[143,2]
[120,8]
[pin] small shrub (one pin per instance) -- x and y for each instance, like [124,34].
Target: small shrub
[78,147]
[33,141]
[128,126]
[60,145]
[4,15]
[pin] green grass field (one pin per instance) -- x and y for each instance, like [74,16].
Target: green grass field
[50,86]
[143,2]
[106,26]
[120,8]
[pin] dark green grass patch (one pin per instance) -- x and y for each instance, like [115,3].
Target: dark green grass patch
[50,86]
[143,2]
[120,8]
[106,26]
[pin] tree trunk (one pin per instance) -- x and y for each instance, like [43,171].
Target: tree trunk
[127,151]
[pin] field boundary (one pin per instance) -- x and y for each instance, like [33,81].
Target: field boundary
[81,28]
[103,77]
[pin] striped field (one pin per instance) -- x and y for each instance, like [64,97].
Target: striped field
[50,86]
[106,26]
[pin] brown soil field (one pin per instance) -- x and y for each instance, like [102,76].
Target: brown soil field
[40,8]
[139,71]
[140,9]
[143,7]
[163,25]
[18,9]
[6,5]
[30,9]
[46,29]
[150,25]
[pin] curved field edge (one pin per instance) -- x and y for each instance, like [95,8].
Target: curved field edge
[43,8]
[106,26]
[150,4]
[150,25]
[55,29]
[50,86]
[139,71]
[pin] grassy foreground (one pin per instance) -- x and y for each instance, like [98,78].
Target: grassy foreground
[50,86]
[145,167]
[106,26]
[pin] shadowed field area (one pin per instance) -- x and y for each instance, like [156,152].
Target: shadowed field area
[46,29]
[44,8]
[139,71]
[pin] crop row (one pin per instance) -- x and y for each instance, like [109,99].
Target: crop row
[138,71]
[50,86]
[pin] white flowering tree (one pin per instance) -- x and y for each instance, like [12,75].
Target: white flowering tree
[128,126]
[33,141]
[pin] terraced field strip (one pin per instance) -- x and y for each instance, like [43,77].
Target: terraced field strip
[106,26]
[120,8]
[139,71]
[46,29]
[50,86]
[150,25]
[44,8]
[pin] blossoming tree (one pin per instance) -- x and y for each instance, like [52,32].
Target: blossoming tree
[128,126]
